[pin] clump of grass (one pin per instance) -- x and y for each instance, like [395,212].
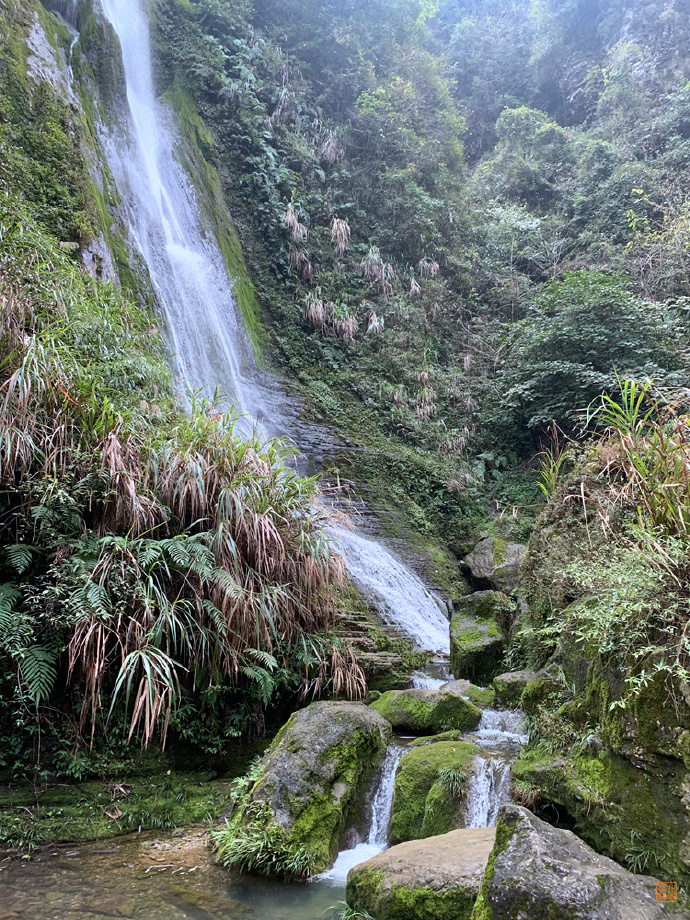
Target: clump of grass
[453,779]
[262,846]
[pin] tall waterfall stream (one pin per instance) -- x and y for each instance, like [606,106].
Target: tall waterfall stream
[157,879]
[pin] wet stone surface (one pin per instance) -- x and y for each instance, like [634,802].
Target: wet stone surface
[149,877]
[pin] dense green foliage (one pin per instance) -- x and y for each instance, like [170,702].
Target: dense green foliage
[403,195]
[158,572]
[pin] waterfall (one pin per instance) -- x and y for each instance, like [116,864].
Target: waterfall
[206,338]
[381,810]
[488,789]
[502,733]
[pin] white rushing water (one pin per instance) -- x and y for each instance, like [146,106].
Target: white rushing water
[381,810]
[206,337]
[501,734]
[488,789]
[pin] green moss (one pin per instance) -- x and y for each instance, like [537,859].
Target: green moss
[419,711]
[434,739]
[625,812]
[365,891]
[92,810]
[476,649]
[482,906]
[414,810]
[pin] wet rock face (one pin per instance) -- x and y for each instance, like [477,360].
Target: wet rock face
[477,635]
[434,879]
[422,712]
[431,790]
[543,873]
[313,778]
[496,564]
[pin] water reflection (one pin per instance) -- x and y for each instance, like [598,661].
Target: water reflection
[150,877]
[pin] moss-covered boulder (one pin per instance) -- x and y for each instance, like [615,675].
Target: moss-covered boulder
[435,879]
[430,790]
[640,817]
[477,635]
[427,711]
[484,697]
[543,873]
[510,686]
[306,789]
[435,739]
[496,564]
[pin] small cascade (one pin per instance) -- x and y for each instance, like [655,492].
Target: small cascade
[400,597]
[503,729]
[489,788]
[65,8]
[433,677]
[381,810]
[501,734]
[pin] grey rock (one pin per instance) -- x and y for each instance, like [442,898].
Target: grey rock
[540,872]
[497,563]
[438,877]
[509,686]
[314,775]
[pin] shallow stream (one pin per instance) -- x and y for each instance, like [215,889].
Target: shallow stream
[152,876]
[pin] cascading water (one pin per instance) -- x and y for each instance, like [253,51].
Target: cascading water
[381,810]
[206,337]
[500,733]
[488,789]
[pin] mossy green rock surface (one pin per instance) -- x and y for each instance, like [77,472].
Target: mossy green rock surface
[427,711]
[312,781]
[425,801]
[619,808]
[543,873]
[477,635]
[484,697]
[434,879]
[510,686]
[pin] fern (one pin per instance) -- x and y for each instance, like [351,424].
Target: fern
[19,557]
[38,671]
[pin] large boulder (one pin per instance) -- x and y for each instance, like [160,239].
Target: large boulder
[543,873]
[434,879]
[477,635]
[427,711]
[306,790]
[626,811]
[510,686]
[431,789]
[496,564]
[484,697]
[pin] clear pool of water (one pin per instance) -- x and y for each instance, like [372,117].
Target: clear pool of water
[151,877]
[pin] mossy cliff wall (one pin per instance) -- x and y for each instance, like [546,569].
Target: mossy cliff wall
[610,721]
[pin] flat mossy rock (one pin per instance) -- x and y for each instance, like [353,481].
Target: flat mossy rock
[497,564]
[510,686]
[434,879]
[427,711]
[312,779]
[434,739]
[619,808]
[543,873]
[484,697]
[423,803]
